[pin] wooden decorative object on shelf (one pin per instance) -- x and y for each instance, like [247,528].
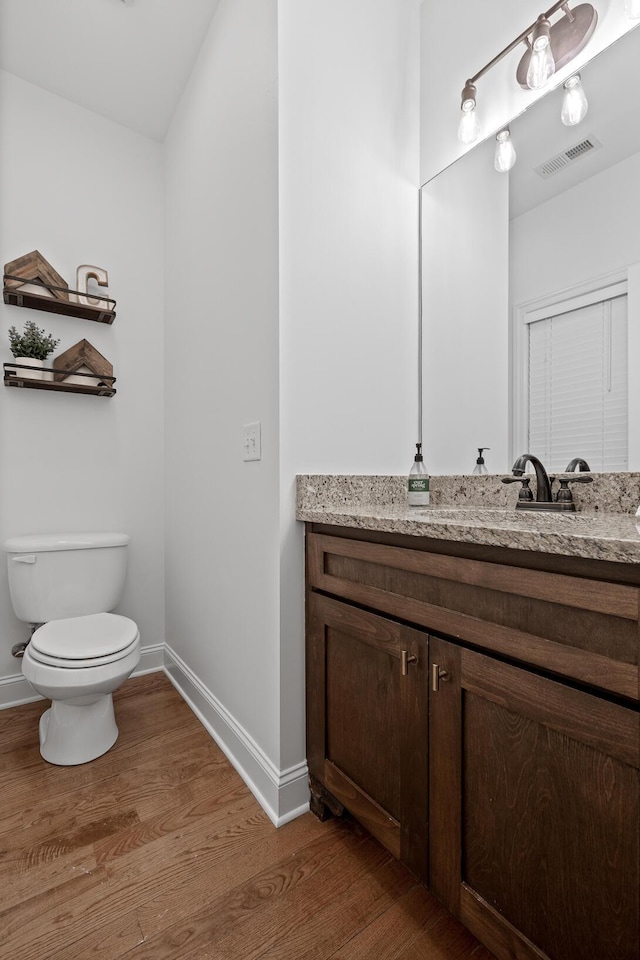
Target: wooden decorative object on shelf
[30,281]
[33,267]
[81,358]
[84,273]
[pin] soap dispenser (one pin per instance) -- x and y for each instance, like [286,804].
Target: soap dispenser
[480,466]
[418,495]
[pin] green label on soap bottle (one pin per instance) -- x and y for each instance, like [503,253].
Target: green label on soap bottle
[418,484]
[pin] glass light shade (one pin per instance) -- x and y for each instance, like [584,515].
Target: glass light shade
[541,65]
[505,155]
[632,9]
[574,103]
[469,126]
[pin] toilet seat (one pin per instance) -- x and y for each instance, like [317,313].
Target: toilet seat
[90,641]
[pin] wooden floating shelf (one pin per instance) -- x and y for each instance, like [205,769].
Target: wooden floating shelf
[13,378]
[70,308]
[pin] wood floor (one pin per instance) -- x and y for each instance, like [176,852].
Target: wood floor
[158,851]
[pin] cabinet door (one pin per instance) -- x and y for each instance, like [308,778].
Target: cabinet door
[367,715]
[534,810]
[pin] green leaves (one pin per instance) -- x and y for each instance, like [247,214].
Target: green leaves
[34,342]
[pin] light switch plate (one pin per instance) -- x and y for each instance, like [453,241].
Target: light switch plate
[251,441]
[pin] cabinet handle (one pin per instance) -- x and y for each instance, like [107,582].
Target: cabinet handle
[438,673]
[405,660]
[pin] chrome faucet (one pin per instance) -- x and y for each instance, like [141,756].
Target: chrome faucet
[543,486]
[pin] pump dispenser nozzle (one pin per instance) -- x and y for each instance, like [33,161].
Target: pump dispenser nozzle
[480,466]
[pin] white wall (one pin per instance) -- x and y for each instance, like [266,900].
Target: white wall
[222,372]
[586,232]
[314,191]
[465,310]
[459,39]
[348,234]
[82,189]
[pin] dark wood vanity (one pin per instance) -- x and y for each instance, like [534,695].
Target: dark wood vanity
[477,709]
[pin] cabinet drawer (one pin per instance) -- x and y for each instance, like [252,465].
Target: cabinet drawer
[576,627]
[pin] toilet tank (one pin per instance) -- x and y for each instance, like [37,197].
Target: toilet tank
[52,576]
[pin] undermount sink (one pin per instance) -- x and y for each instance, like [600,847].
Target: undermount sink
[473,514]
[463,513]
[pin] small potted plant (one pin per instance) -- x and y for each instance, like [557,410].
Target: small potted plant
[32,348]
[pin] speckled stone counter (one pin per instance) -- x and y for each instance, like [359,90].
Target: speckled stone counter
[481,510]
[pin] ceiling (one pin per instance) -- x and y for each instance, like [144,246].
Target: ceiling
[127,61]
[613,120]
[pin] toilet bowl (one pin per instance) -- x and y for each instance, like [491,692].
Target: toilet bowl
[77,663]
[80,653]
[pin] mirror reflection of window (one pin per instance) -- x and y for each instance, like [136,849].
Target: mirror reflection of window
[577,384]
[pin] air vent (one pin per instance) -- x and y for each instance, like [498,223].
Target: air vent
[562,160]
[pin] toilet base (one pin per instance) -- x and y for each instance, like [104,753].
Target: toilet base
[77,731]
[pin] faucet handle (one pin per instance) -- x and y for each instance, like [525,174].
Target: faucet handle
[525,491]
[564,495]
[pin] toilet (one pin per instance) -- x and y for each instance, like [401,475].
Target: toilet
[65,584]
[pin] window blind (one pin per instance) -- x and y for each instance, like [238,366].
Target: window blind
[578,386]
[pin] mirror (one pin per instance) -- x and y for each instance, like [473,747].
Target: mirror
[497,247]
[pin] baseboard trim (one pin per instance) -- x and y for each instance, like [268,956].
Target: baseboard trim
[282,794]
[151,660]
[15,690]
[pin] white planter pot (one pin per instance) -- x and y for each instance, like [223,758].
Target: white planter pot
[33,374]
[83,381]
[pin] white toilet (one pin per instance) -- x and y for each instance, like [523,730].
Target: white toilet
[80,654]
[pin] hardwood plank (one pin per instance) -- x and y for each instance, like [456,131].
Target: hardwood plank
[184,889]
[132,880]
[158,850]
[446,939]
[275,921]
[393,932]
[240,919]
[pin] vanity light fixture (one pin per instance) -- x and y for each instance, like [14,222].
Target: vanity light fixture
[541,62]
[505,155]
[469,127]
[574,102]
[550,46]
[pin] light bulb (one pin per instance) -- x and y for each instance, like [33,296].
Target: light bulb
[541,64]
[632,9]
[469,126]
[574,103]
[505,155]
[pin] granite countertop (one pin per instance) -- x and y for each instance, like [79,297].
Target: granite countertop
[461,511]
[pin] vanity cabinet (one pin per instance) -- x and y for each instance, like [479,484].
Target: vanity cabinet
[502,763]
[534,801]
[368,723]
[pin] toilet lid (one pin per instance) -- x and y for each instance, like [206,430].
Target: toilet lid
[99,637]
